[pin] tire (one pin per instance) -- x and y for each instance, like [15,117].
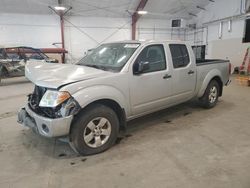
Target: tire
[211,95]
[94,130]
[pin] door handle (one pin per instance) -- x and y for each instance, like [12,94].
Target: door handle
[166,76]
[191,72]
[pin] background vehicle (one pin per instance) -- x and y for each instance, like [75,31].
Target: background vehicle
[12,60]
[90,102]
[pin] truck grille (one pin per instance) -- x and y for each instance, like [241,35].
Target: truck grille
[35,97]
[34,100]
[51,112]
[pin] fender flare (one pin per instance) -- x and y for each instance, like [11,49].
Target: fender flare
[210,76]
[92,94]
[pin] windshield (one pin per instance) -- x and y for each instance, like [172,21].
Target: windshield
[110,57]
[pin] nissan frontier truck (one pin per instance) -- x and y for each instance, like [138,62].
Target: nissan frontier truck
[91,101]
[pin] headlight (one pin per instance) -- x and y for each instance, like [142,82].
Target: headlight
[53,98]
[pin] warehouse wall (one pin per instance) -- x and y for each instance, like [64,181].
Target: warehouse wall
[83,33]
[41,31]
[230,45]
[159,29]
[29,30]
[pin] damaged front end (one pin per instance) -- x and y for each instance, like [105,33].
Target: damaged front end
[68,107]
[48,113]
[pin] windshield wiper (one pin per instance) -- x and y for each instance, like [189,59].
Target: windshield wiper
[96,66]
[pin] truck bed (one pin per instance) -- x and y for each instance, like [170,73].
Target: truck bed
[212,65]
[200,62]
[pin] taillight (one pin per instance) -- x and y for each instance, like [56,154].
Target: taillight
[229,68]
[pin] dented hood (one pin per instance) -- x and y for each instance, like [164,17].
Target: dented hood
[53,75]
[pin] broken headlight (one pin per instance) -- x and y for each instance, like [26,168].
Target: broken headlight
[53,98]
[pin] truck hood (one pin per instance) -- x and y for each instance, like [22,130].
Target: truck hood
[55,75]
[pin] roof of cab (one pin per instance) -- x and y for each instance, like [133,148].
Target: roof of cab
[148,41]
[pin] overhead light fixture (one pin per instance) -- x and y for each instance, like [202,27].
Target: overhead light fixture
[199,7]
[142,12]
[62,8]
[191,14]
[220,30]
[229,25]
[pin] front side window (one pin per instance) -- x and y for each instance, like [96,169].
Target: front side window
[110,57]
[154,55]
[180,55]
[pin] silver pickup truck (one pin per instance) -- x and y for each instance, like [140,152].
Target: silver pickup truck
[91,101]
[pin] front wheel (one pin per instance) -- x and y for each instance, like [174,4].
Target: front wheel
[94,130]
[211,95]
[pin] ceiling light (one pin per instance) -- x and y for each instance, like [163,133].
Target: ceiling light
[142,12]
[191,14]
[60,8]
[202,8]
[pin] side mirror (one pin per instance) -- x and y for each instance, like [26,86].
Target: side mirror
[141,67]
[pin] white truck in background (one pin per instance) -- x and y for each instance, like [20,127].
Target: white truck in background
[91,101]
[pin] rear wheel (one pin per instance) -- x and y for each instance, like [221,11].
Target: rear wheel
[94,130]
[211,95]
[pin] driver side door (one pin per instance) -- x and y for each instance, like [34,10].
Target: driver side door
[150,89]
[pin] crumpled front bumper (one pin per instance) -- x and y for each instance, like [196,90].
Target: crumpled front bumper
[44,126]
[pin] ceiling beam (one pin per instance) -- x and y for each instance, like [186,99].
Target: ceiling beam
[136,16]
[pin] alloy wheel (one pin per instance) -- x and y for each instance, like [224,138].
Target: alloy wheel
[97,132]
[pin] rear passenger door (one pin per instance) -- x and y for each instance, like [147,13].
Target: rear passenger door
[184,72]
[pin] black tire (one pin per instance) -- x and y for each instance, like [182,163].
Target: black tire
[205,99]
[79,126]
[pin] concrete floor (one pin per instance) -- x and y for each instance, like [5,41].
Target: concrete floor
[185,146]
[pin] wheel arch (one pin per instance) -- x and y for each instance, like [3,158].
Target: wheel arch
[212,75]
[219,81]
[121,114]
[115,106]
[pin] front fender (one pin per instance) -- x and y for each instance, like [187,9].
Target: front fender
[91,94]
[211,74]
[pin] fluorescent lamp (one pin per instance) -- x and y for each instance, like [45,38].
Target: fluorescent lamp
[220,30]
[60,8]
[229,26]
[102,51]
[142,12]
[121,59]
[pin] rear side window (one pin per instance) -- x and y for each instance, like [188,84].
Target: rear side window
[180,55]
